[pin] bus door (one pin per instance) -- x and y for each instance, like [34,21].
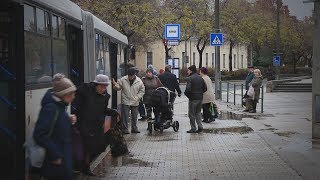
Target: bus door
[75,54]
[114,68]
[12,91]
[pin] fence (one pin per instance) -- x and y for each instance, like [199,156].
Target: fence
[233,91]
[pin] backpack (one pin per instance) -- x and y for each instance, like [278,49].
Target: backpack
[35,152]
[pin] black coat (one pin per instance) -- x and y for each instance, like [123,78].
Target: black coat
[169,81]
[195,87]
[91,109]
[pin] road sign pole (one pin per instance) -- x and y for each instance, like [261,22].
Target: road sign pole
[217,54]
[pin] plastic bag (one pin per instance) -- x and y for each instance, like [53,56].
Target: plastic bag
[250,92]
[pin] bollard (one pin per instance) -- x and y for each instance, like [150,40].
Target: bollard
[241,94]
[227,91]
[234,94]
[262,99]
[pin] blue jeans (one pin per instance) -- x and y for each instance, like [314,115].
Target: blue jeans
[142,110]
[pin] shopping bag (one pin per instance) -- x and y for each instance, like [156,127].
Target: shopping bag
[250,92]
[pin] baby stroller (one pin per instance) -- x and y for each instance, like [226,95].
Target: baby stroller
[163,110]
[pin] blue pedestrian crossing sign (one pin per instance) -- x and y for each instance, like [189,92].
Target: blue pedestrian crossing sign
[216,39]
[276,60]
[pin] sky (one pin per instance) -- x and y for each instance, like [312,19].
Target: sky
[298,8]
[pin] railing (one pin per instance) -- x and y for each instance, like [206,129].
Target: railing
[235,94]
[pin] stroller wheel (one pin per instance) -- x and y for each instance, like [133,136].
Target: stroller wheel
[175,126]
[150,127]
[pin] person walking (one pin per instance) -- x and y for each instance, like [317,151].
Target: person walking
[169,80]
[151,83]
[132,90]
[256,84]
[208,97]
[247,82]
[91,107]
[55,121]
[194,91]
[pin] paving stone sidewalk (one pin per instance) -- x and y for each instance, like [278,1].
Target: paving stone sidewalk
[178,155]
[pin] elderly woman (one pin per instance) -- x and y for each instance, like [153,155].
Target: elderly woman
[256,84]
[151,83]
[208,97]
[53,129]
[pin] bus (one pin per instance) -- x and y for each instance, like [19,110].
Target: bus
[39,38]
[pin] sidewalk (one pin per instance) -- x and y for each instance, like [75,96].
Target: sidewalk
[259,154]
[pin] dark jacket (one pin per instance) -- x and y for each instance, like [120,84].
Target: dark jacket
[91,109]
[249,79]
[150,84]
[58,145]
[169,81]
[195,87]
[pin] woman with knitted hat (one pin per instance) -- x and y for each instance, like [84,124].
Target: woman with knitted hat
[53,129]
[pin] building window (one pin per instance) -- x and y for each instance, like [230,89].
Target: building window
[234,61]
[194,58]
[242,61]
[207,59]
[149,58]
[224,60]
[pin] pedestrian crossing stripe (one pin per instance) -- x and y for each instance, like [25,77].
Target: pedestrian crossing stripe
[216,40]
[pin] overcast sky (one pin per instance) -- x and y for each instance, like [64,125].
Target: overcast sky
[298,8]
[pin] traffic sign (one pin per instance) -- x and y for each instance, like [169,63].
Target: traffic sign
[216,39]
[276,60]
[172,31]
[173,42]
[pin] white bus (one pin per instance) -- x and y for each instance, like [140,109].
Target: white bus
[39,38]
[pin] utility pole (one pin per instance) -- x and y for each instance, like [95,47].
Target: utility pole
[217,79]
[278,53]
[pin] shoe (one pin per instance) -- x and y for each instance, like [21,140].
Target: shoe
[125,131]
[135,131]
[191,131]
[88,172]
[205,121]
[199,130]
[211,120]
[246,110]
[252,111]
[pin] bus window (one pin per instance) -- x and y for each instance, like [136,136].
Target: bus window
[29,23]
[59,52]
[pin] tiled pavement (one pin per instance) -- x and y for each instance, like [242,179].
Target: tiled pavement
[178,155]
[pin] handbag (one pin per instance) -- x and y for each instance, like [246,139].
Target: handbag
[250,92]
[36,153]
[213,110]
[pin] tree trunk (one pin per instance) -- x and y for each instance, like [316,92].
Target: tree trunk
[201,49]
[230,55]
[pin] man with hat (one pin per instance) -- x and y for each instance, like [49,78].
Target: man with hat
[132,90]
[247,82]
[194,91]
[91,107]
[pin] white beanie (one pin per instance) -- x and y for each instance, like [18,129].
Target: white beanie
[62,85]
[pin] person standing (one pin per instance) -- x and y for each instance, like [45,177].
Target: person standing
[247,82]
[54,120]
[208,97]
[151,83]
[132,90]
[169,80]
[256,84]
[194,91]
[91,107]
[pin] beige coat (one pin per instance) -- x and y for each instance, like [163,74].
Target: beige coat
[130,94]
[208,96]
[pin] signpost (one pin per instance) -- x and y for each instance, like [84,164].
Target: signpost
[216,39]
[276,60]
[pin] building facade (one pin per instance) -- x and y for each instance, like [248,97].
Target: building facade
[155,55]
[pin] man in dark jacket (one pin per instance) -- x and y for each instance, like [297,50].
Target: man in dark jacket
[169,81]
[91,106]
[194,91]
[248,81]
